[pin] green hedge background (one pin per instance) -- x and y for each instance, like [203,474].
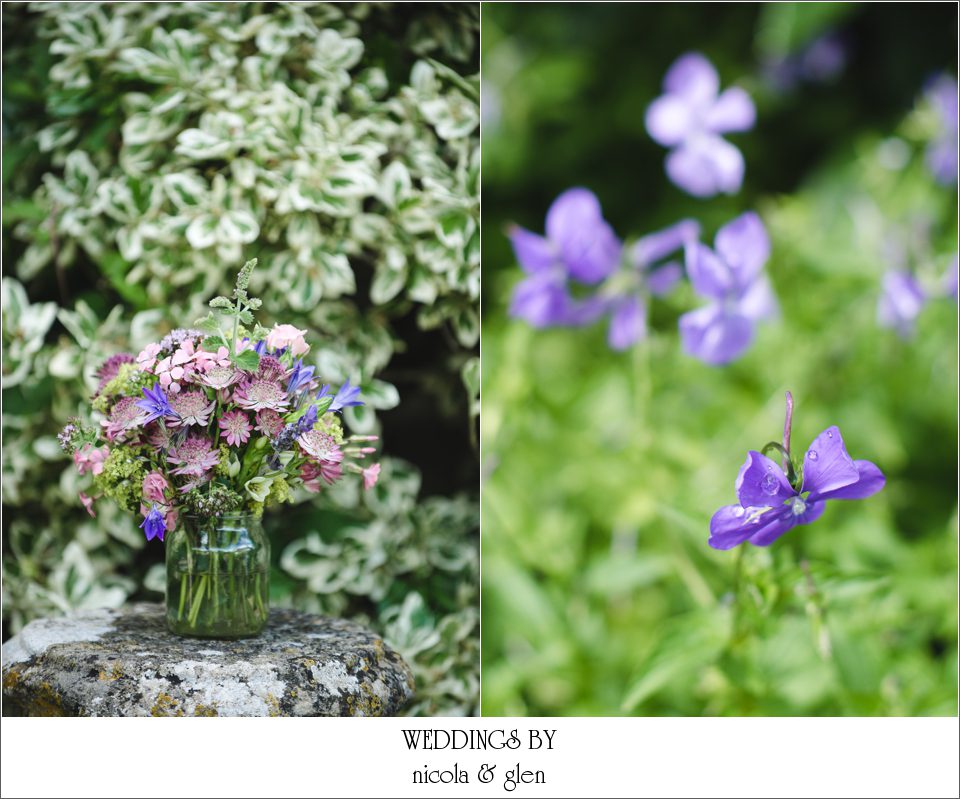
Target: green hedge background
[148,151]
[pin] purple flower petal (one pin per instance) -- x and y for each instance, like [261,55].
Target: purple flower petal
[653,247]
[533,252]
[758,301]
[761,482]
[900,303]
[670,119]
[949,282]
[870,482]
[826,464]
[588,246]
[706,165]
[662,280]
[693,77]
[708,274]
[628,323]
[714,337]
[732,112]
[541,299]
[734,524]
[745,246]
[781,521]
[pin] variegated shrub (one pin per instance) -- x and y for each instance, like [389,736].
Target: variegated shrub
[149,149]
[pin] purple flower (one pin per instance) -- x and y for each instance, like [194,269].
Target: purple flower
[628,312]
[942,151]
[154,525]
[731,277]
[769,505]
[156,404]
[901,301]
[308,420]
[689,117]
[300,377]
[579,245]
[346,396]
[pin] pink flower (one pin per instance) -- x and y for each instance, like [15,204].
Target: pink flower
[258,395]
[321,446]
[88,504]
[208,360]
[194,408]
[154,487]
[287,336]
[237,427]
[169,374]
[194,457]
[148,357]
[89,457]
[370,475]
[269,422]
[220,377]
[124,415]
[311,474]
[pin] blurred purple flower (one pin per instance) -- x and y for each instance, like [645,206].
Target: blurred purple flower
[769,505]
[901,301]
[628,313]
[942,151]
[731,276]
[824,58]
[689,117]
[579,245]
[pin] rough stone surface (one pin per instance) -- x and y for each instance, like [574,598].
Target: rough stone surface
[126,663]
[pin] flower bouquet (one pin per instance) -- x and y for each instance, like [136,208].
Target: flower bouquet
[201,432]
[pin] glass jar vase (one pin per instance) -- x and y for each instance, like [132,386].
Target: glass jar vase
[218,576]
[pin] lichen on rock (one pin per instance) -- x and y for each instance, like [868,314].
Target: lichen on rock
[126,663]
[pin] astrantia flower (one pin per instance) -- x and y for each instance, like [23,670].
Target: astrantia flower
[194,457]
[901,301]
[271,369]
[628,312]
[124,415]
[110,368]
[154,524]
[579,245]
[321,446]
[156,405]
[346,396]
[769,506]
[257,394]
[236,427]
[288,336]
[689,117]
[220,377]
[192,408]
[269,422]
[90,458]
[312,473]
[731,277]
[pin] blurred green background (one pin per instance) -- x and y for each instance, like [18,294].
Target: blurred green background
[600,595]
[149,149]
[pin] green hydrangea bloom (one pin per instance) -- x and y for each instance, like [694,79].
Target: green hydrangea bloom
[280,491]
[122,477]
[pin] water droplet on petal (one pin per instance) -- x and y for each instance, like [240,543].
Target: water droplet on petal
[769,484]
[813,454]
[829,433]
[739,512]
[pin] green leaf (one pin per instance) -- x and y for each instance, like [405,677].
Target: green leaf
[248,360]
[213,343]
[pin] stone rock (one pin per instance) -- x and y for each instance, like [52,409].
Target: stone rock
[126,663]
